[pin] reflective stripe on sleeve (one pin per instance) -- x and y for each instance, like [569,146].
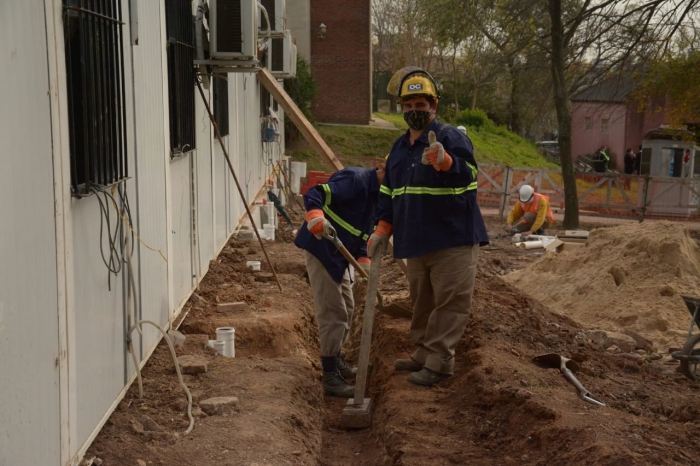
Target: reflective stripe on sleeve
[345,225]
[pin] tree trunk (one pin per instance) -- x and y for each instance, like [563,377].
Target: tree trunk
[563,107]
[476,88]
[454,76]
[514,117]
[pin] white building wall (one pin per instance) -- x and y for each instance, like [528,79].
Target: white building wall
[29,348]
[62,326]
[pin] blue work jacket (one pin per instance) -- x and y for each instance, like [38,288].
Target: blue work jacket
[348,201]
[431,210]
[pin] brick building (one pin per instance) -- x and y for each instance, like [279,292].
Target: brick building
[340,58]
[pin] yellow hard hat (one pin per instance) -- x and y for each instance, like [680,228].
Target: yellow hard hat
[418,85]
[412,81]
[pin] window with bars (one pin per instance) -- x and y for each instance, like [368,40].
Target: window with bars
[264,101]
[180,32]
[221,103]
[95,85]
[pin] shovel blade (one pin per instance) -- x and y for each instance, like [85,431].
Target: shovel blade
[554,360]
[396,311]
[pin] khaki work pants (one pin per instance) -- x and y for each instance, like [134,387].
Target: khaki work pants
[441,285]
[525,223]
[334,306]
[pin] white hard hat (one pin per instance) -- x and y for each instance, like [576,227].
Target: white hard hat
[526,193]
[462,129]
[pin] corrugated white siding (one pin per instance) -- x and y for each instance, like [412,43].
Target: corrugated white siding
[152,160]
[56,293]
[29,384]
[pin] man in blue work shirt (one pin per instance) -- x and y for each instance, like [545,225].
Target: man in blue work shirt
[428,201]
[347,203]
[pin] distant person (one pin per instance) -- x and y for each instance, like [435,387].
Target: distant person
[686,164]
[629,168]
[532,213]
[600,160]
[629,162]
[638,161]
[462,129]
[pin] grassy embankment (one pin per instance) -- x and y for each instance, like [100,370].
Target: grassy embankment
[356,146]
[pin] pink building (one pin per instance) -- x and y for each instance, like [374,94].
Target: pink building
[606,115]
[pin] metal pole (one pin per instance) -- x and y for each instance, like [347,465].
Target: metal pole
[235,178]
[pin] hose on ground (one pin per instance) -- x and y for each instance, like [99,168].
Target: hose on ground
[177,367]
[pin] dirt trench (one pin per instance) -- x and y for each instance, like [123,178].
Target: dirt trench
[499,408]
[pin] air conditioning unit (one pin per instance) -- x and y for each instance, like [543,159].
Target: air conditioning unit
[293,62]
[233,29]
[276,10]
[281,59]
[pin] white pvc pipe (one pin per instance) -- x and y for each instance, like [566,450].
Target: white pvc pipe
[227,335]
[531,245]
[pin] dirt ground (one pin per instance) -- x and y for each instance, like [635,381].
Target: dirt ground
[498,408]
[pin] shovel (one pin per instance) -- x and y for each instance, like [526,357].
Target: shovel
[566,366]
[394,310]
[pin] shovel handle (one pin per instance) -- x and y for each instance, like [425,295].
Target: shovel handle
[582,392]
[332,236]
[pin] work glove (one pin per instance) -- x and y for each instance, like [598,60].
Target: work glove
[381,234]
[317,224]
[435,154]
[365,263]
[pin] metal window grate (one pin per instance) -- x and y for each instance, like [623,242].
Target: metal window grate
[95,83]
[264,101]
[229,30]
[277,58]
[221,103]
[180,31]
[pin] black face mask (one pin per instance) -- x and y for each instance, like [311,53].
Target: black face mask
[417,119]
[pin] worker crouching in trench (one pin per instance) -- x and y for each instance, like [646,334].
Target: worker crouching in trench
[531,214]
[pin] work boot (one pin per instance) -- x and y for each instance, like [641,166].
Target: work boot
[346,371]
[335,385]
[427,378]
[407,365]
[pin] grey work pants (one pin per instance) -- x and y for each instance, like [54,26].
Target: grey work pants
[441,285]
[525,223]
[334,306]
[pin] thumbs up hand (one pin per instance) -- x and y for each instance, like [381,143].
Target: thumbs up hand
[435,154]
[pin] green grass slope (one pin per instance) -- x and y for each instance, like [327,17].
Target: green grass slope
[356,146]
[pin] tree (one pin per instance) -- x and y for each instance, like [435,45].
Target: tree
[604,35]
[677,75]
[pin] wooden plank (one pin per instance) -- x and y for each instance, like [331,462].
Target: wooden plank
[232,307]
[305,127]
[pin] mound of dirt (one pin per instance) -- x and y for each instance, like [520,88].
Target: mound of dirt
[627,277]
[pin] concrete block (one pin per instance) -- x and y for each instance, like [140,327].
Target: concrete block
[192,364]
[212,406]
[357,416]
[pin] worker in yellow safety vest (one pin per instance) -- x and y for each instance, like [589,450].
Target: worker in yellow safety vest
[531,214]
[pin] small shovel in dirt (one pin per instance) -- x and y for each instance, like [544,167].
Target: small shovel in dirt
[394,310]
[566,366]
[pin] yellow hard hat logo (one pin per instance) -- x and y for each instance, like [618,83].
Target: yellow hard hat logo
[415,87]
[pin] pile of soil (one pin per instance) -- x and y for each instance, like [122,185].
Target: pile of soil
[627,277]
